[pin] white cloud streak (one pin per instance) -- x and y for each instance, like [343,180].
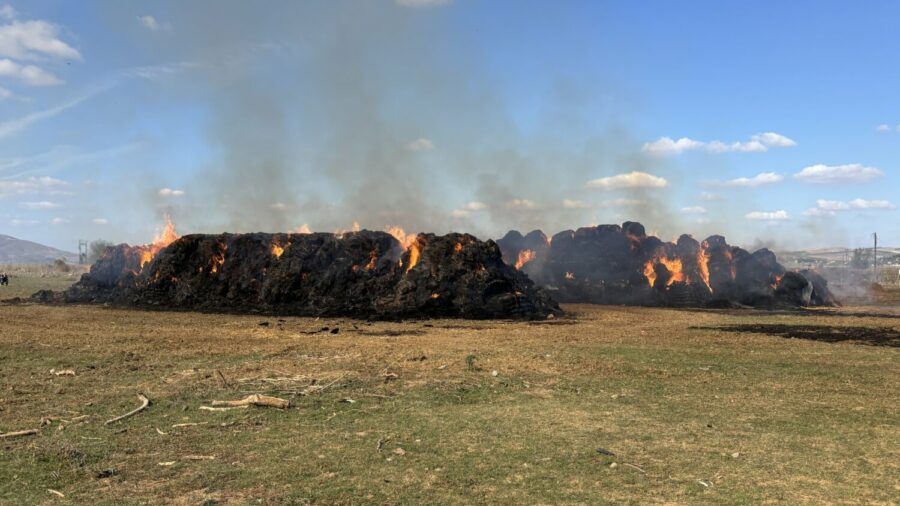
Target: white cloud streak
[831,174]
[36,206]
[762,179]
[832,207]
[780,215]
[762,142]
[630,180]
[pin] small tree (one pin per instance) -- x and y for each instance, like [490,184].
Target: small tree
[96,249]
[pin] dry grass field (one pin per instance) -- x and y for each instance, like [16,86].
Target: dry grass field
[604,405]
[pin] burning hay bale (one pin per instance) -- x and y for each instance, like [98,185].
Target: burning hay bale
[359,274]
[614,264]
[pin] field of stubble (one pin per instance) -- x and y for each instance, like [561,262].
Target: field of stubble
[605,405]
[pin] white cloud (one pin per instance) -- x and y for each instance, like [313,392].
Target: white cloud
[832,207]
[28,74]
[710,197]
[621,203]
[33,185]
[43,204]
[666,146]
[575,204]
[631,180]
[421,3]
[420,144]
[168,192]
[4,93]
[693,210]
[883,128]
[100,221]
[520,204]
[466,210]
[34,40]
[761,179]
[780,215]
[150,23]
[849,173]
[16,222]
[7,12]
[59,221]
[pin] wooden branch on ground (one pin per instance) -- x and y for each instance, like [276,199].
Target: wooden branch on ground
[255,400]
[29,432]
[144,403]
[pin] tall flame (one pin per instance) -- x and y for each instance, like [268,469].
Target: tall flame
[703,263]
[408,242]
[163,238]
[525,256]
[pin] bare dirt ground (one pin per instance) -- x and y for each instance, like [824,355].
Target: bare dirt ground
[605,405]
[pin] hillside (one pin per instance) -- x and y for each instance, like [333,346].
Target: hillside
[19,251]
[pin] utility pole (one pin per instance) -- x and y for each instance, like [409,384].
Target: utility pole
[875,258]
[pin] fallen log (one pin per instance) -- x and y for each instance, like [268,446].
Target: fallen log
[29,432]
[255,400]
[144,403]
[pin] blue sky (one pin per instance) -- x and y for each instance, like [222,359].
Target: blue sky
[771,123]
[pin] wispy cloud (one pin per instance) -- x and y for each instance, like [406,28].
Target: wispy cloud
[762,179]
[466,210]
[420,144]
[169,192]
[150,23]
[630,180]
[33,185]
[832,207]
[30,75]
[7,12]
[693,210]
[667,146]
[521,204]
[829,174]
[41,205]
[884,127]
[34,40]
[780,215]
[100,221]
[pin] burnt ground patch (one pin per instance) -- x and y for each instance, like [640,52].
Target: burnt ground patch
[873,336]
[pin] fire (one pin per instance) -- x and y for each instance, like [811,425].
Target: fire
[277,250]
[570,275]
[458,247]
[703,263]
[413,256]
[525,256]
[163,238]
[675,269]
[303,229]
[650,272]
[218,259]
[673,265]
[435,296]
[408,241]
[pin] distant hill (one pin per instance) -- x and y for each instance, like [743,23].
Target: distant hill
[18,251]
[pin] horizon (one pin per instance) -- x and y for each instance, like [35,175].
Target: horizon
[772,127]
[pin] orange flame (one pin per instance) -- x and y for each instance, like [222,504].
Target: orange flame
[163,238]
[277,250]
[408,242]
[570,275]
[673,265]
[525,256]
[703,263]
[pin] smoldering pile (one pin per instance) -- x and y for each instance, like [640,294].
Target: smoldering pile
[358,274]
[612,264]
